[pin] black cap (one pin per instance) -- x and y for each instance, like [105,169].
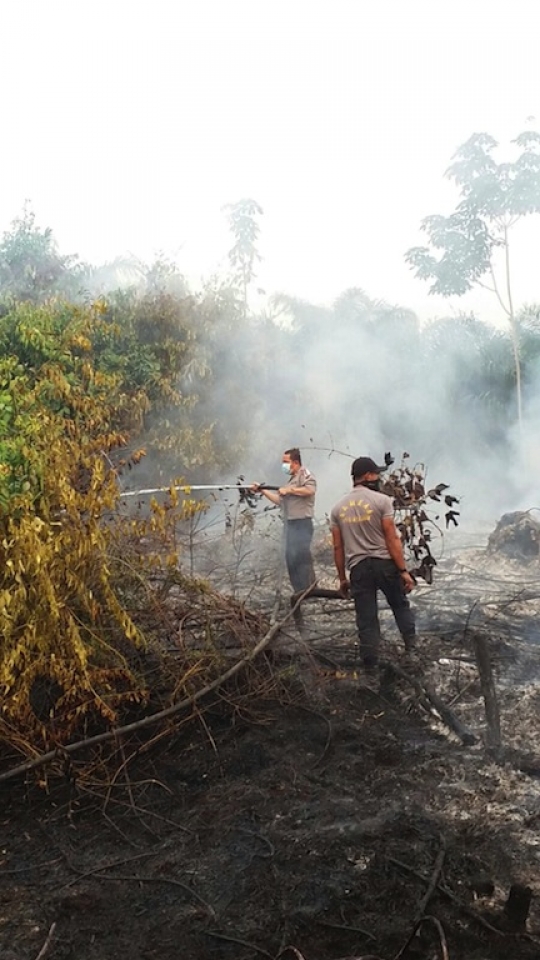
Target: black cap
[363,465]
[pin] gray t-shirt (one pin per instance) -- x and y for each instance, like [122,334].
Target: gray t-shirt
[358,516]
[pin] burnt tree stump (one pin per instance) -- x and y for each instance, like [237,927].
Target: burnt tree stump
[517,906]
[483,662]
[517,536]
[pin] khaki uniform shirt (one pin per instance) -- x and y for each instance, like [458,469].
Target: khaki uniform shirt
[300,508]
[358,516]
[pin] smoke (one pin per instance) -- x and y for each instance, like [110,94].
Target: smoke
[373,380]
[359,376]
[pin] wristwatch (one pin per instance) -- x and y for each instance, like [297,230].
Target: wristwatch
[402,570]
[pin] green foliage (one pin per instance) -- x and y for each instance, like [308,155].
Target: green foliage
[498,191]
[132,275]
[528,321]
[465,246]
[149,340]
[493,197]
[68,401]
[19,427]
[300,316]
[31,267]
[478,372]
[245,230]
[229,380]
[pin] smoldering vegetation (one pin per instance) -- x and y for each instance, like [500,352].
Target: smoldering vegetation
[358,375]
[246,710]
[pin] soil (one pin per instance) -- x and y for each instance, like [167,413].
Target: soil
[322,822]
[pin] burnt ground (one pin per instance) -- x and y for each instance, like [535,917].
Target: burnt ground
[318,823]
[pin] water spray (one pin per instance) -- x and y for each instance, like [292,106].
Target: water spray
[188,487]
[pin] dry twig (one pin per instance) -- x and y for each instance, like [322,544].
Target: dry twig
[48,942]
[432,883]
[243,943]
[170,880]
[442,939]
[451,896]
[155,717]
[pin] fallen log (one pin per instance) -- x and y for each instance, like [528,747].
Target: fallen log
[425,692]
[320,593]
[316,592]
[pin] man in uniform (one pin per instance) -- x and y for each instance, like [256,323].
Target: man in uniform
[297,500]
[368,546]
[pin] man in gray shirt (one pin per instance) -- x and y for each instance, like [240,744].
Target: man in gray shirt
[367,544]
[297,500]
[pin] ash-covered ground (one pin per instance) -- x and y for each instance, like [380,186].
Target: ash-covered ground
[325,821]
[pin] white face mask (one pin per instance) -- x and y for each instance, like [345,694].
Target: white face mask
[286,467]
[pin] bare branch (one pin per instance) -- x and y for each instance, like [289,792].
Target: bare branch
[155,717]
[48,942]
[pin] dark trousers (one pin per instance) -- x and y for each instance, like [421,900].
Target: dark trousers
[298,536]
[366,579]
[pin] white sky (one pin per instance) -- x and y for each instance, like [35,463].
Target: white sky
[128,124]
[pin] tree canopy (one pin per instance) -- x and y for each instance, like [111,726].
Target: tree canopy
[463,246]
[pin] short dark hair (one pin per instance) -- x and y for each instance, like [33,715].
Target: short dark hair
[294,454]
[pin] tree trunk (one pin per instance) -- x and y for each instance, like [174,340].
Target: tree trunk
[514,330]
[483,662]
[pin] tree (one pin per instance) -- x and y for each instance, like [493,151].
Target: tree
[468,381]
[31,268]
[76,385]
[245,229]
[122,273]
[462,247]
[130,273]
